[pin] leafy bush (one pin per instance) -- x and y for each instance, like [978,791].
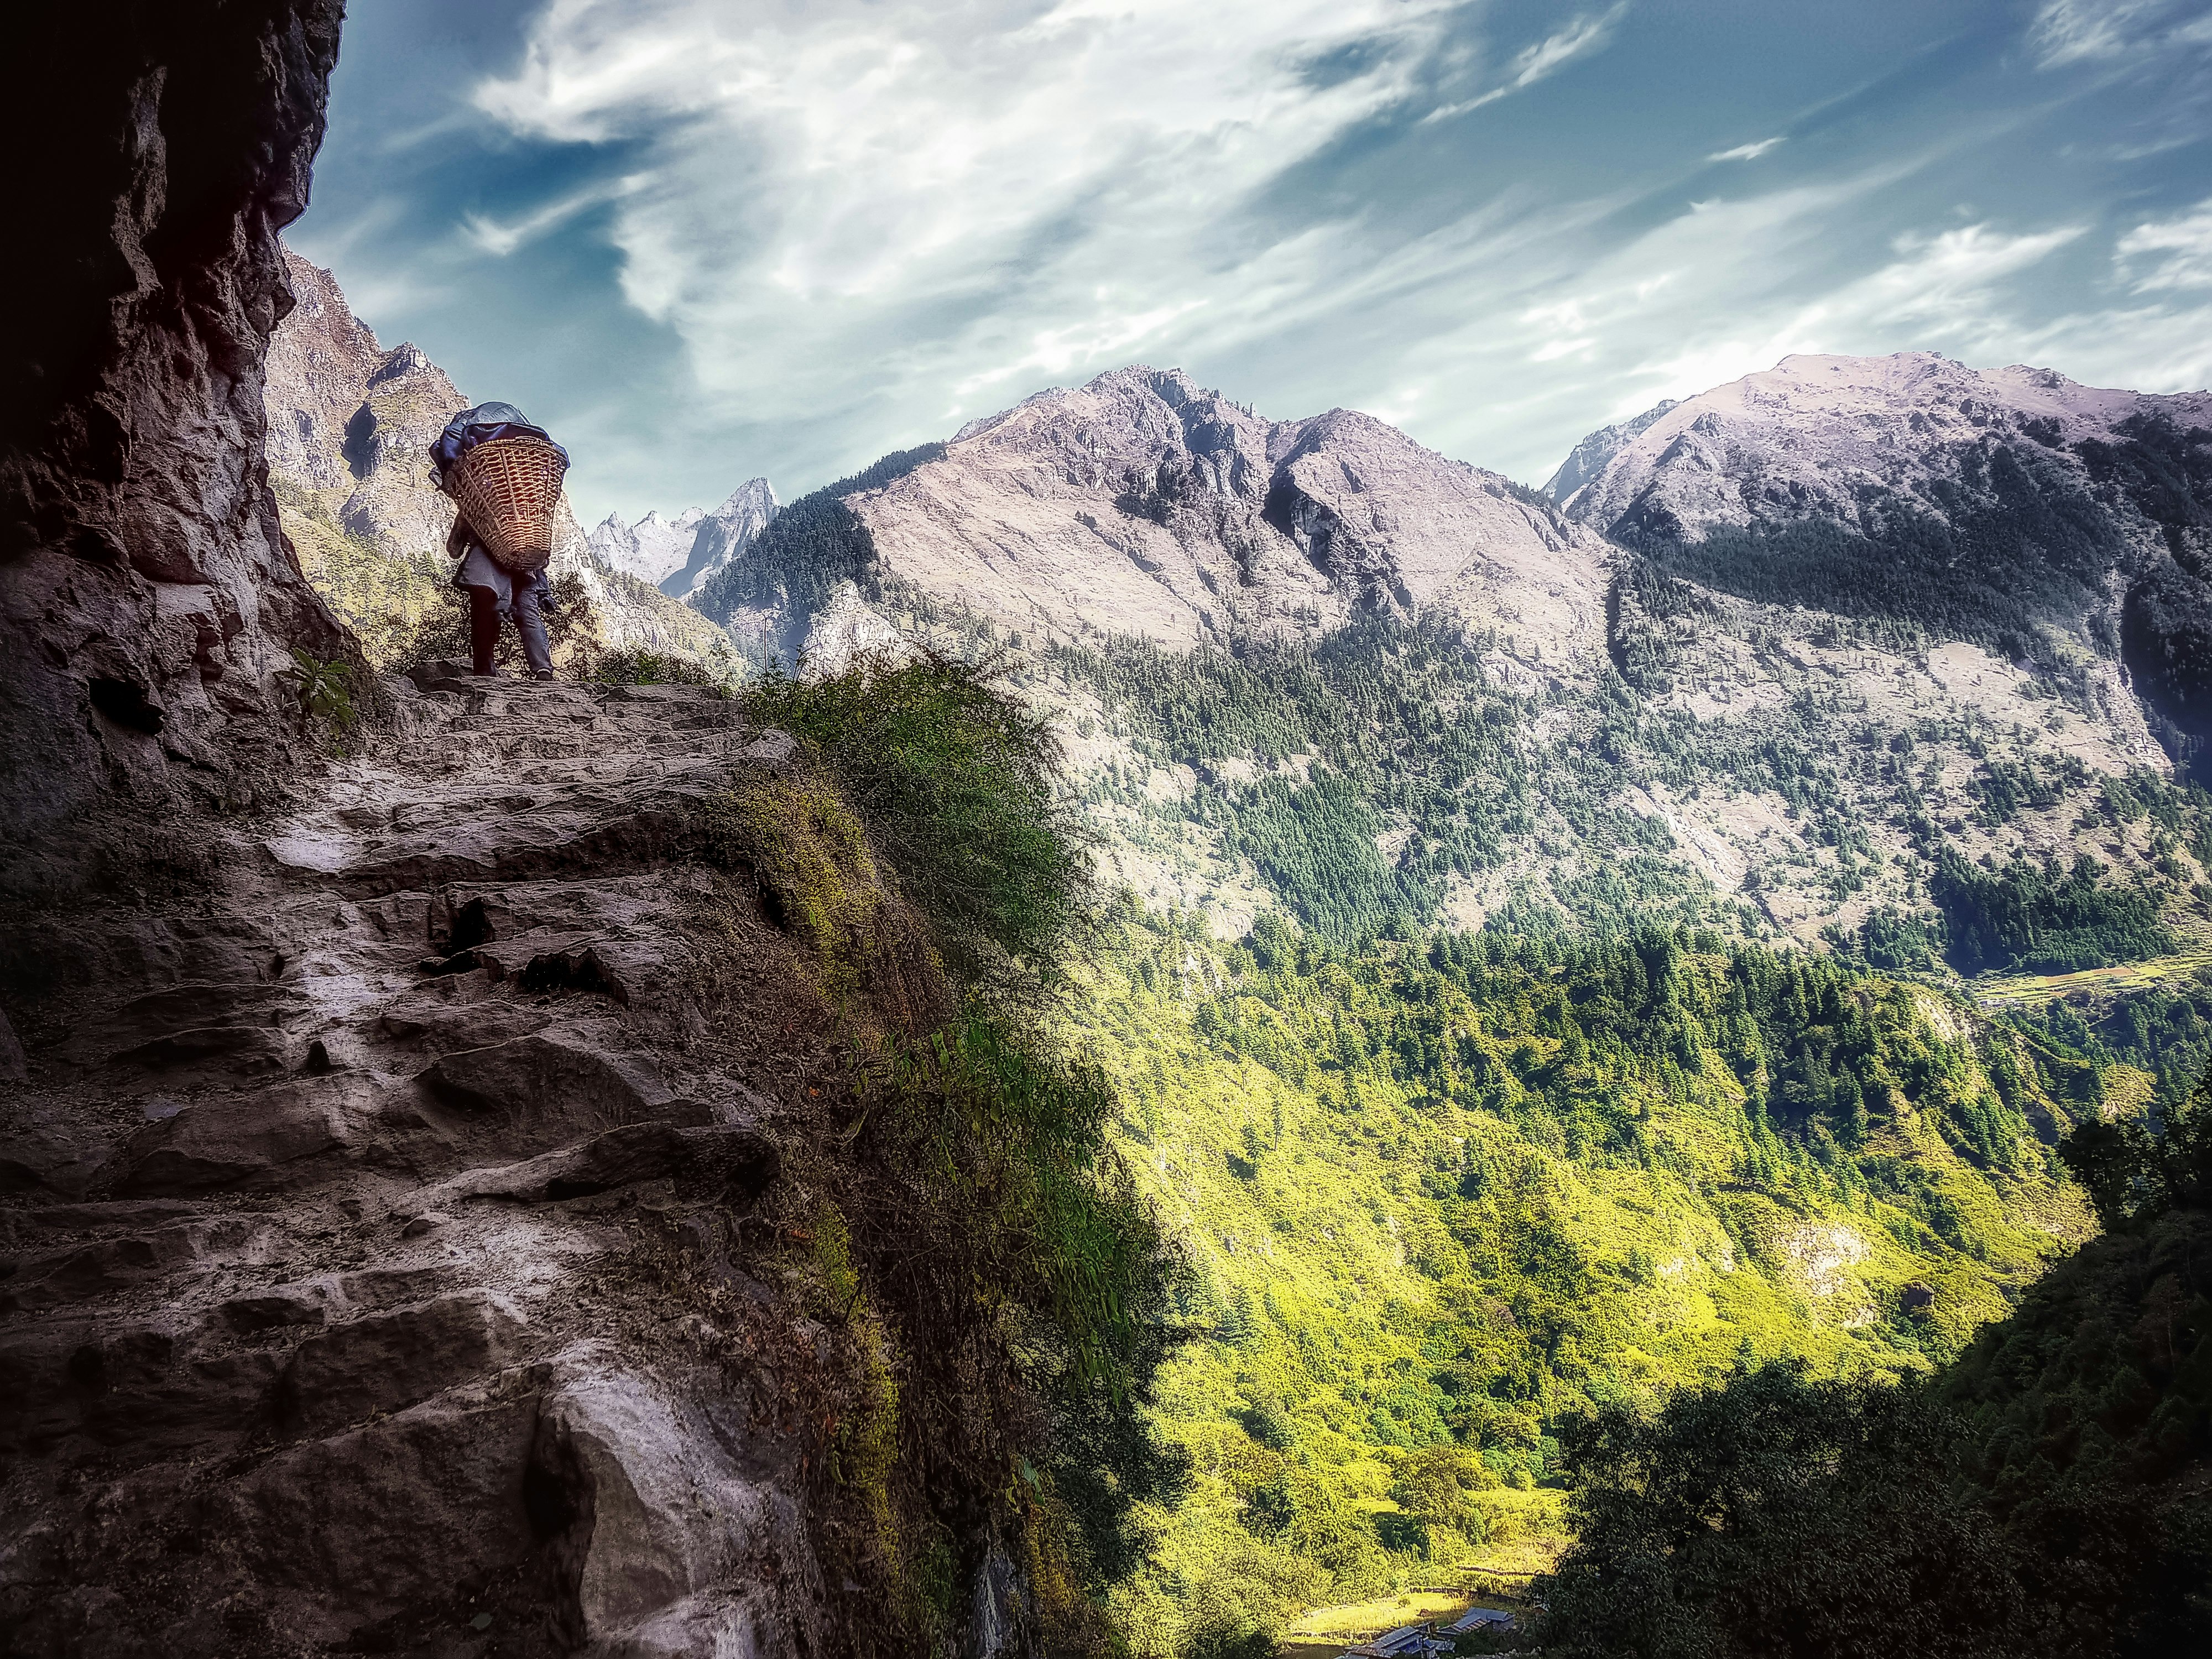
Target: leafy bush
[440,631]
[2136,1172]
[1011,1184]
[958,784]
[643,667]
[325,690]
[1778,1514]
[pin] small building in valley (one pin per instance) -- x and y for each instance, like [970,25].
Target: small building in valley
[1406,1642]
[1475,1618]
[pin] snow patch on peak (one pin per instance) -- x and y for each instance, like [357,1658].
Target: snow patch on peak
[713,539]
[651,548]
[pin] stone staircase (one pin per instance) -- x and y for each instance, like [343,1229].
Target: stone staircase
[371,1222]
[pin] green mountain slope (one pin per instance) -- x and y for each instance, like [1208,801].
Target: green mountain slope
[1439,1197]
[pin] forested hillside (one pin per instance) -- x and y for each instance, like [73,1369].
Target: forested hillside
[1506,1043]
[2043,1493]
[1441,1196]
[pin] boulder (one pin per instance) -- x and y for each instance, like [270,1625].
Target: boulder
[383,1363]
[671,1547]
[238,1141]
[533,1093]
[389,1518]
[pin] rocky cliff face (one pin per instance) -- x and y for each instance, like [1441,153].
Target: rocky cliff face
[148,599]
[1142,504]
[1595,454]
[391,1166]
[349,418]
[2000,506]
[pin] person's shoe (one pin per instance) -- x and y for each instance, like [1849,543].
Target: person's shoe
[542,674]
[486,674]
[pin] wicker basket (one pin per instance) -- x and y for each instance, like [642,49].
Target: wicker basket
[507,491]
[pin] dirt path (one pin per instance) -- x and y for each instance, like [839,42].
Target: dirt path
[318,1187]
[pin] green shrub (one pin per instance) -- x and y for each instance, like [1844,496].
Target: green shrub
[958,784]
[639,666]
[1779,1515]
[995,1248]
[325,690]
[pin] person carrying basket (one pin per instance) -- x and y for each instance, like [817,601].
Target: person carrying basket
[504,476]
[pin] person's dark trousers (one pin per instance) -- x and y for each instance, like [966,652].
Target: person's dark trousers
[529,622]
[484,626]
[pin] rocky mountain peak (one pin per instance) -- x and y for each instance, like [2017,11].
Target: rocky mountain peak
[717,538]
[1837,437]
[325,357]
[651,549]
[1141,502]
[2007,507]
[1590,457]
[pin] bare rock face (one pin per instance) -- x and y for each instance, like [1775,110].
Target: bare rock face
[652,549]
[348,416]
[1594,452]
[321,359]
[1141,503]
[1986,505]
[148,597]
[371,1276]
[722,536]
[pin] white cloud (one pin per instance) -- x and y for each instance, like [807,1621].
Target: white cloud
[500,239]
[2106,31]
[849,202]
[2176,252]
[1721,289]
[1746,152]
[1583,35]
[881,217]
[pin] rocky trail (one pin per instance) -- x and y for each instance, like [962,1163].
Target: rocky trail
[371,1216]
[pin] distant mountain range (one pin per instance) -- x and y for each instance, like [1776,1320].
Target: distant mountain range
[1855,648]
[680,556]
[1826,627]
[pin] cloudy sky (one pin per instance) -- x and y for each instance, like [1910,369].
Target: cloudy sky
[705,239]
